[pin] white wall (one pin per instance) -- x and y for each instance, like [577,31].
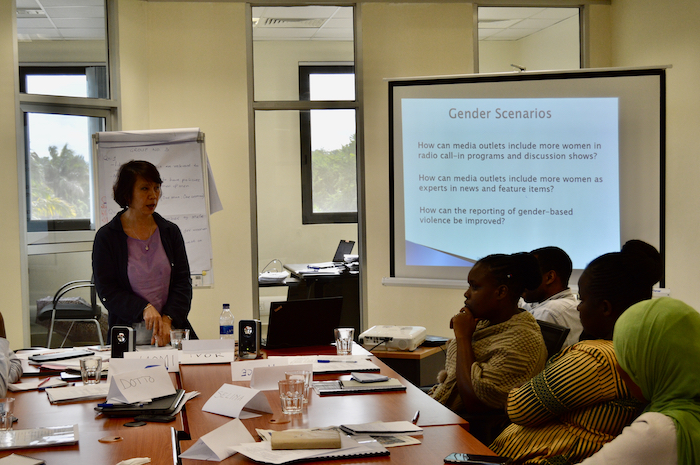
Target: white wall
[13,300]
[556,47]
[183,65]
[666,33]
[418,39]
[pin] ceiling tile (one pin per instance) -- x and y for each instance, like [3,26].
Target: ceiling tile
[29,23]
[91,23]
[557,13]
[536,24]
[506,12]
[76,12]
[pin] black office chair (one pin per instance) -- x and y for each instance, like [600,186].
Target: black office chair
[73,311]
[554,336]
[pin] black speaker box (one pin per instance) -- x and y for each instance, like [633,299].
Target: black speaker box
[123,339]
[248,339]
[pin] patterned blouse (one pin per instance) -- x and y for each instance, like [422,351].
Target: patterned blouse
[507,355]
[567,412]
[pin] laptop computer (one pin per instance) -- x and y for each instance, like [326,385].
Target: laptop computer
[303,323]
[344,248]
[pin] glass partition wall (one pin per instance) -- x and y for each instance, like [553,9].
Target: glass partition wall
[305,113]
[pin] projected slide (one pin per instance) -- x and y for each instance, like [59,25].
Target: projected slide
[506,175]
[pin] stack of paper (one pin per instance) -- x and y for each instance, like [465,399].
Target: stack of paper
[39,437]
[351,448]
[273,277]
[323,388]
[75,393]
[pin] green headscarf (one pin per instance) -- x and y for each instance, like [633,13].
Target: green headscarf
[657,342]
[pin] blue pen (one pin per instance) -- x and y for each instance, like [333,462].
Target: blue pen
[336,361]
[104,405]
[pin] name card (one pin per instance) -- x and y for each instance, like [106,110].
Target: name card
[138,380]
[230,399]
[216,445]
[169,358]
[209,345]
[243,370]
[266,378]
[203,358]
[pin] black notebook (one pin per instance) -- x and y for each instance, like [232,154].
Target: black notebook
[161,406]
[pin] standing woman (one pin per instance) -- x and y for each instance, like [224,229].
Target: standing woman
[497,346]
[139,261]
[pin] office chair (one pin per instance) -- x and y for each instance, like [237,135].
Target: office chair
[72,311]
[553,335]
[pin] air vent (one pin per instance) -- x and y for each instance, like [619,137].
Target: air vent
[31,13]
[291,22]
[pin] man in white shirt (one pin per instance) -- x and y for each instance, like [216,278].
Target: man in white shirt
[10,365]
[553,301]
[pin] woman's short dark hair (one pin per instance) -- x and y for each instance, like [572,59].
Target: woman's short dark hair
[626,277]
[518,271]
[126,179]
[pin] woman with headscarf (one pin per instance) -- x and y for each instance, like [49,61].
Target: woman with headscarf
[658,352]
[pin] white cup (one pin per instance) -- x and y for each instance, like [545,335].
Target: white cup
[343,340]
[91,369]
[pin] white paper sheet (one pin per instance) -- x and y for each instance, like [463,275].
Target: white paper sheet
[218,444]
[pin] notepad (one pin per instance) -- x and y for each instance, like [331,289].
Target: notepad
[39,437]
[324,388]
[76,393]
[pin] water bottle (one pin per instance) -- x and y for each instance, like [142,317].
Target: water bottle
[226,323]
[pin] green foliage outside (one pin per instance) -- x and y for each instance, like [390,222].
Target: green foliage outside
[60,185]
[334,179]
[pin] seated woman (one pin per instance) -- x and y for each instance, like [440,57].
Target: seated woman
[497,346]
[657,348]
[579,402]
[139,261]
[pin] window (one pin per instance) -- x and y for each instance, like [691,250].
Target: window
[66,81]
[328,148]
[63,65]
[59,168]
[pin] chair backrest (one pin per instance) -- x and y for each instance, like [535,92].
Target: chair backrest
[553,335]
[72,285]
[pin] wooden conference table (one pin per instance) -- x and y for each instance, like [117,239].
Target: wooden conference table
[444,432]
